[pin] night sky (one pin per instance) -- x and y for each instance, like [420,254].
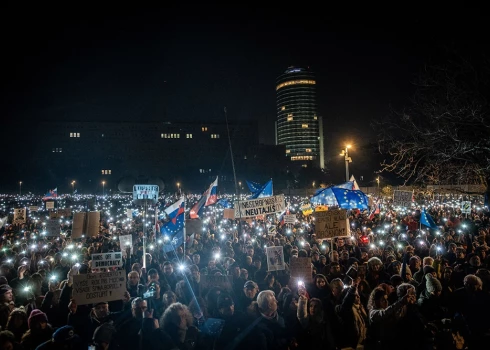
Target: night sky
[187,62]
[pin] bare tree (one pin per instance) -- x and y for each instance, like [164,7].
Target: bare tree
[444,136]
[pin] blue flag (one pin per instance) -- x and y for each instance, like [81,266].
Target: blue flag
[225,203]
[253,186]
[426,220]
[350,199]
[174,228]
[265,191]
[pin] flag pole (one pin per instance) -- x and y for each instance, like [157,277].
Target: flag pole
[184,233]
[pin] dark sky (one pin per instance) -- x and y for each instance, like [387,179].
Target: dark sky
[187,62]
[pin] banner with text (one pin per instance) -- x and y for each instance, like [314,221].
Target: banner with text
[331,223]
[19,216]
[146,193]
[290,219]
[402,198]
[52,228]
[260,206]
[106,260]
[96,287]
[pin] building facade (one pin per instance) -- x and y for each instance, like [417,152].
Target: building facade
[298,126]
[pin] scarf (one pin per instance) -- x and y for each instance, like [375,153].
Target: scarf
[359,320]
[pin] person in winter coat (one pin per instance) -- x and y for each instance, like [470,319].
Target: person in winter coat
[39,330]
[353,319]
[17,323]
[430,302]
[375,274]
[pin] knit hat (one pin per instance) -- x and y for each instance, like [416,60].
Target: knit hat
[36,316]
[428,269]
[63,334]
[3,280]
[4,288]
[103,333]
[432,284]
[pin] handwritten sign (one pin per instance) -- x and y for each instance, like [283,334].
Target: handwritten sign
[275,258]
[290,219]
[224,282]
[300,269]
[125,242]
[19,216]
[97,287]
[260,206]
[106,260]
[332,223]
[52,228]
[402,198]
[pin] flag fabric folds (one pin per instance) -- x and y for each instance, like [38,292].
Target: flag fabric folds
[254,186]
[341,197]
[426,220]
[264,191]
[225,203]
[355,186]
[174,228]
[209,197]
[52,194]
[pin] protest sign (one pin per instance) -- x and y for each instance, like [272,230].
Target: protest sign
[96,287]
[300,269]
[260,206]
[19,216]
[402,198]
[466,207]
[93,223]
[146,193]
[52,228]
[33,208]
[106,260]
[229,214]
[125,242]
[290,219]
[129,213]
[275,258]
[50,205]
[332,223]
[223,282]
[77,229]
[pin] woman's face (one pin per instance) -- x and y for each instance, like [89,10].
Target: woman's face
[382,303]
[320,283]
[315,308]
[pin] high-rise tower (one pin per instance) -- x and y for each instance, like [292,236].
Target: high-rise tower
[298,126]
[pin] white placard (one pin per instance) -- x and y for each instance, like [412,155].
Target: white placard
[125,242]
[50,205]
[106,260]
[275,258]
[260,206]
[129,213]
[466,207]
[402,198]
[92,288]
[146,192]
[290,219]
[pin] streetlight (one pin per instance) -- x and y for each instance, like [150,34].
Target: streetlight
[178,187]
[73,186]
[103,188]
[347,159]
[313,184]
[20,188]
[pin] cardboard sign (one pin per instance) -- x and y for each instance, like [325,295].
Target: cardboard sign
[19,216]
[106,260]
[301,269]
[93,223]
[275,258]
[97,287]
[260,206]
[332,223]
[77,229]
[66,213]
[52,228]
[33,208]
[290,219]
[466,207]
[229,214]
[224,282]
[50,205]
[402,198]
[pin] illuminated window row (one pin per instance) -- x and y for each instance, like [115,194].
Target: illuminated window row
[171,136]
[188,136]
[57,150]
[307,150]
[215,136]
[74,134]
[302,158]
[204,128]
[106,172]
[296,82]
[203,171]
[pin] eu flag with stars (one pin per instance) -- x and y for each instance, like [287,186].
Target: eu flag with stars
[174,228]
[426,220]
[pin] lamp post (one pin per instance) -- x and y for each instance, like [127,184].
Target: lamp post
[20,188]
[178,187]
[347,159]
[103,188]
[377,180]
[73,186]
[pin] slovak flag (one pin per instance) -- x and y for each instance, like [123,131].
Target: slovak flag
[52,194]
[211,193]
[374,212]
[175,213]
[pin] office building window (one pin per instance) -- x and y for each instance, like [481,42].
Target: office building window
[189,136]
[304,126]
[302,158]
[215,136]
[57,150]
[315,117]
[283,108]
[74,134]
[204,128]
[308,150]
[288,151]
[106,172]
[290,119]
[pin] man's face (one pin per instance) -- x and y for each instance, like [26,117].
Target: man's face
[250,251]
[258,264]
[335,256]
[134,279]
[139,309]
[447,274]
[196,274]
[101,310]
[340,242]
[250,292]
[211,264]
[315,257]
[8,296]
[345,256]
[335,269]
[168,269]
[236,272]
[227,311]
[196,259]
[154,277]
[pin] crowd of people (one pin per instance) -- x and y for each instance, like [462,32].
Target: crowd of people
[391,284]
